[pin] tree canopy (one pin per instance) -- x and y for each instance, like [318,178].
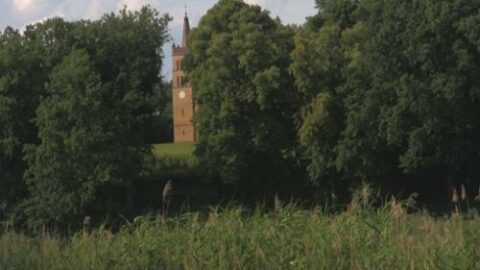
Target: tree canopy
[79,98]
[238,63]
[389,90]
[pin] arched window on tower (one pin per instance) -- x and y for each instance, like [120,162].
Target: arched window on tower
[183,113]
[178,65]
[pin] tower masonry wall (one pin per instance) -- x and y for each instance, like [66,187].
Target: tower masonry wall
[182,100]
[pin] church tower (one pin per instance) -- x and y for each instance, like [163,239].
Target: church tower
[182,94]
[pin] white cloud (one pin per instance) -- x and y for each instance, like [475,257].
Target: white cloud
[256,2]
[95,9]
[22,5]
[72,9]
[133,4]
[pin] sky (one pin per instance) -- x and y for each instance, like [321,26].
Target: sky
[19,13]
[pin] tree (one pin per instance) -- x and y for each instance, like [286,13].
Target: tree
[417,115]
[22,79]
[13,107]
[389,91]
[71,162]
[161,122]
[327,49]
[93,121]
[25,64]
[238,63]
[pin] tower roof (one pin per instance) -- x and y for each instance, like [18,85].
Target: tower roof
[186,31]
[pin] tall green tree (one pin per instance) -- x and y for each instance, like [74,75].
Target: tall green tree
[94,118]
[327,49]
[419,111]
[15,109]
[23,75]
[238,65]
[25,65]
[389,91]
[73,159]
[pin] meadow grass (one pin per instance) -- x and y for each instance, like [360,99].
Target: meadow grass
[173,149]
[361,237]
[174,156]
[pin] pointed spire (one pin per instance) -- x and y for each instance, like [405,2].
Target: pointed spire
[186,29]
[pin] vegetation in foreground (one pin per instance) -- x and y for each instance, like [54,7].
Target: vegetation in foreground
[360,237]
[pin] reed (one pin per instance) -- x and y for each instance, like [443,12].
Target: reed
[362,237]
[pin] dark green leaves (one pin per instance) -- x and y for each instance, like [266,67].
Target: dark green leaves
[238,66]
[79,97]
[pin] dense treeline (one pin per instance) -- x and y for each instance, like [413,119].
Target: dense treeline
[76,102]
[384,92]
[238,65]
[407,87]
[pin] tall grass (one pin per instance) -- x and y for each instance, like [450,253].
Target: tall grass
[361,237]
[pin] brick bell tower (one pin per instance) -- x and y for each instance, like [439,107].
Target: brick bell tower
[182,94]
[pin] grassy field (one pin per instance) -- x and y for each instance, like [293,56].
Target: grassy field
[286,238]
[174,156]
[173,149]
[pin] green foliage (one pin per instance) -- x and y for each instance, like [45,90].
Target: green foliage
[161,123]
[338,12]
[21,85]
[11,165]
[238,66]
[418,109]
[80,146]
[389,91]
[289,238]
[326,49]
[87,92]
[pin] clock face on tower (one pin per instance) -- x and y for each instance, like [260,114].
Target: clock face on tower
[181,94]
